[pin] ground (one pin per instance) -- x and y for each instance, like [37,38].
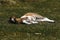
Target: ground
[45,30]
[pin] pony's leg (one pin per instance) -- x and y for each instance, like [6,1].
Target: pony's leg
[45,19]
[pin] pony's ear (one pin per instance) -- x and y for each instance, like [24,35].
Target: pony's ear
[13,16]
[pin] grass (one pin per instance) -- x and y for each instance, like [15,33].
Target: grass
[48,31]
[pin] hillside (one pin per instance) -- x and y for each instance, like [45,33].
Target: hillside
[45,30]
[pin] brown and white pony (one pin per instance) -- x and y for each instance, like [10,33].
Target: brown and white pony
[30,18]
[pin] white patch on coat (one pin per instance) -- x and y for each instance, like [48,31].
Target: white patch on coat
[13,19]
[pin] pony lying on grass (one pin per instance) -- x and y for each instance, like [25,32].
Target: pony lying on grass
[30,18]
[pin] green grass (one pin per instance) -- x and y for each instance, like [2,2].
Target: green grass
[49,31]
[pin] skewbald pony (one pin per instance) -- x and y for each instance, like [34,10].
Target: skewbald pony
[35,16]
